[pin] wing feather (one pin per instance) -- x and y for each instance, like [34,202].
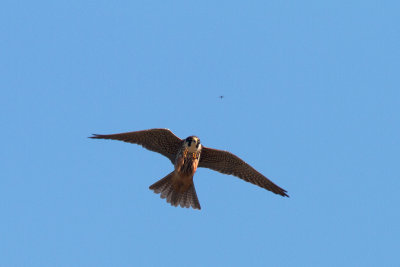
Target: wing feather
[162,141]
[227,163]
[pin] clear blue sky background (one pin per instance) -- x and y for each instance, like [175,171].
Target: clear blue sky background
[311,100]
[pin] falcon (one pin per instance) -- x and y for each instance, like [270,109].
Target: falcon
[186,155]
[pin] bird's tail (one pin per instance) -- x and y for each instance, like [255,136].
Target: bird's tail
[185,199]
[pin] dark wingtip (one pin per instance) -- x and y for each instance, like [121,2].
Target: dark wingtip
[281,192]
[94,136]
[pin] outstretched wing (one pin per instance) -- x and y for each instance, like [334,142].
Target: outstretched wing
[227,163]
[162,141]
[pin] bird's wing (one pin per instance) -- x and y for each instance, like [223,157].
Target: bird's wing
[227,163]
[162,141]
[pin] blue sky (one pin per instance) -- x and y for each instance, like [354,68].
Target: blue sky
[311,100]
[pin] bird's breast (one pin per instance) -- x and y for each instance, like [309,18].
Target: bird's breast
[187,162]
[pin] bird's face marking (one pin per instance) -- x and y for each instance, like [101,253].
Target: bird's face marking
[192,143]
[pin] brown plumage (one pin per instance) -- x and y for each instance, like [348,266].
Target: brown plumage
[227,163]
[186,155]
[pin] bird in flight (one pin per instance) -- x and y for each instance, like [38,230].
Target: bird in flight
[186,155]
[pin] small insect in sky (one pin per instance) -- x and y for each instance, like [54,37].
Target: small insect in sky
[221,96]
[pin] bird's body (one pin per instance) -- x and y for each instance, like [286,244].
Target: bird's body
[186,155]
[177,187]
[187,159]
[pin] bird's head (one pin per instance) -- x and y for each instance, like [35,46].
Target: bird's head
[192,143]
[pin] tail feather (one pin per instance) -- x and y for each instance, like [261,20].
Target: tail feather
[185,199]
[165,188]
[175,199]
[193,196]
